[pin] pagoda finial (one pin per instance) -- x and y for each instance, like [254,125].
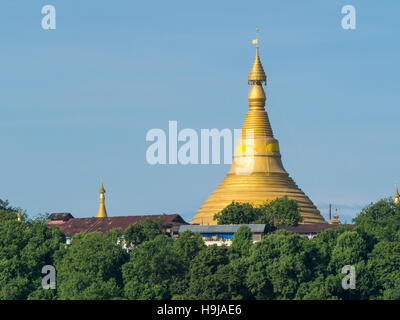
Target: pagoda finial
[397,196]
[102,190]
[102,213]
[19,215]
[255,41]
[257,74]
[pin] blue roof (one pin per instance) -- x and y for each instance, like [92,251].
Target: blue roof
[221,228]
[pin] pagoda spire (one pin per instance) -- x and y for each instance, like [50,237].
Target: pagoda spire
[257,121]
[330,214]
[102,213]
[396,197]
[19,215]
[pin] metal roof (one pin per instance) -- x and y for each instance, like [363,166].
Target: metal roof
[221,228]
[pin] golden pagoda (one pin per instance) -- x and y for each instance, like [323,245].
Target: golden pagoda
[257,174]
[335,218]
[396,197]
[19,218]
[102,213]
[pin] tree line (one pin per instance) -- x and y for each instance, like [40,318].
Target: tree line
[282,265]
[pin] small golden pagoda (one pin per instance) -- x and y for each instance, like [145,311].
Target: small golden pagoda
[257,174]
[335,218]
[102,213]
[396,197]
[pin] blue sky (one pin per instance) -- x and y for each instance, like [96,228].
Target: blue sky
[76,102]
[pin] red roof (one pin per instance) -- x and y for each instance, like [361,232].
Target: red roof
[76,225]
[58,218]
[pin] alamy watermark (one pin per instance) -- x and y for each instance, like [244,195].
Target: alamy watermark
[49,20]
[349,20]
[49,280]
[187,146]
[349,281]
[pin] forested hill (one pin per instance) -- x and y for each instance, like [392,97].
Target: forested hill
[281,266]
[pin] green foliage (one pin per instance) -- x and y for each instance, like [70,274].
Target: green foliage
[90,268]
[281,266]
[5,206]
[279,211]
[350,249]
[209,275]
[25,247]
[319,289]
[188,245]
[215,274]
[144,230]
[237,281]
[153,270]
[241,243]
[326,241]
[381,220]
[7,212]
[384,267]
[237,213]
[392,293]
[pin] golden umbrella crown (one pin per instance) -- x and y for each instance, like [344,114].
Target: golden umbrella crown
[257,73]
